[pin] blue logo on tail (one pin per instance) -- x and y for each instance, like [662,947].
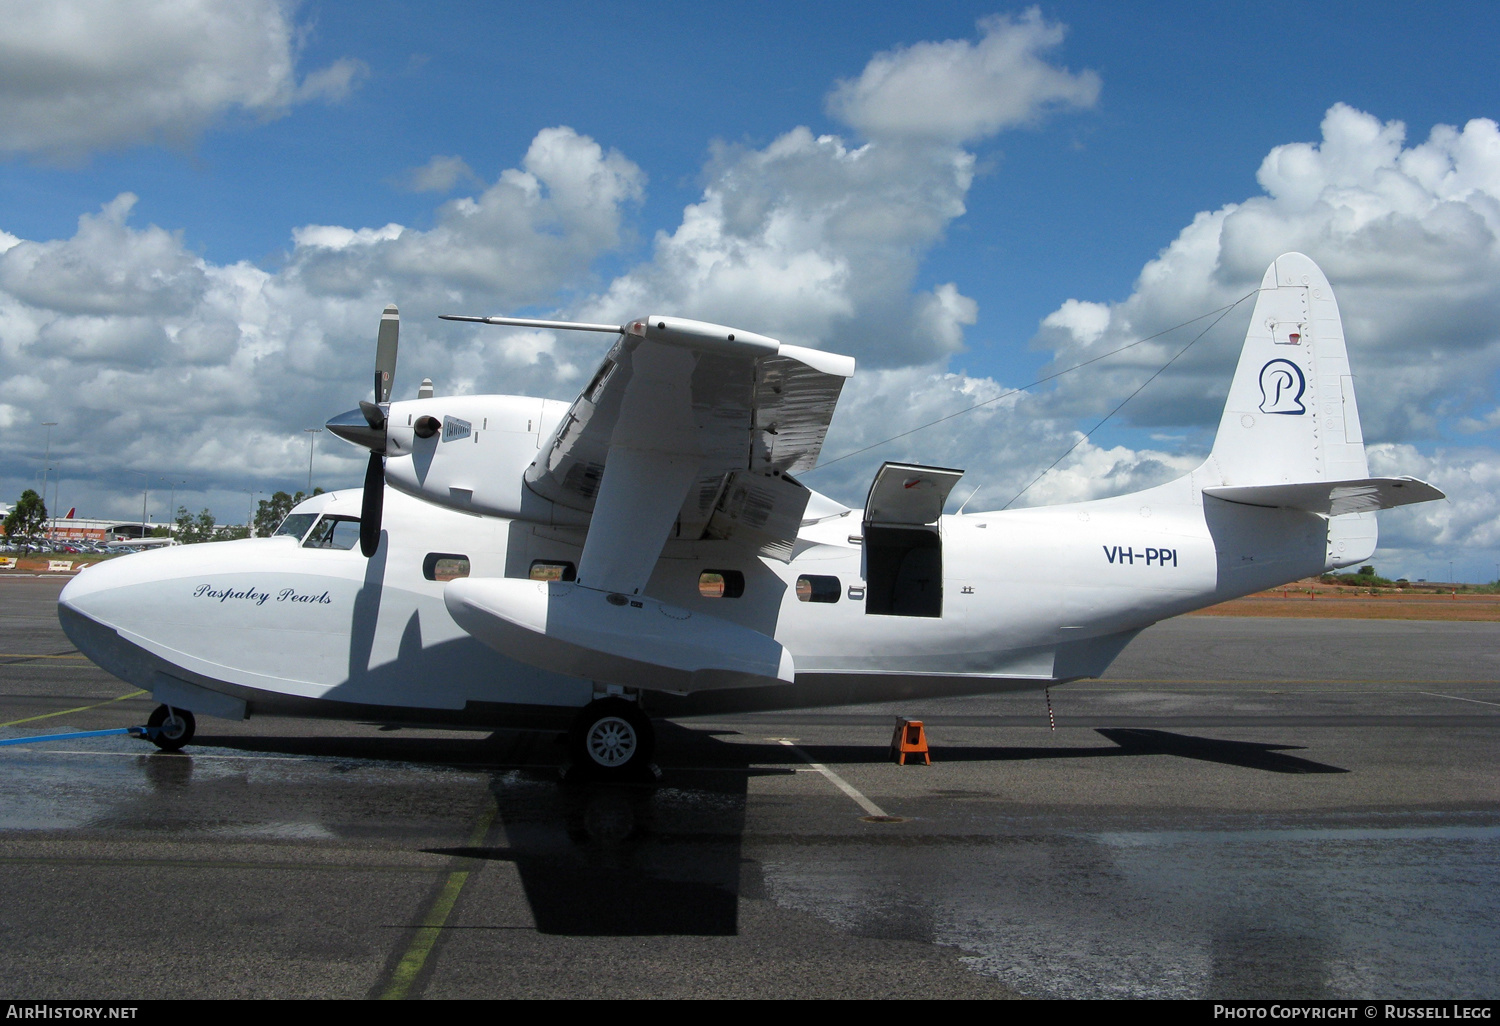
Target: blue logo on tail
[1281,388]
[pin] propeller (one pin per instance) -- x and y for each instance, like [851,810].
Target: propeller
[366,426]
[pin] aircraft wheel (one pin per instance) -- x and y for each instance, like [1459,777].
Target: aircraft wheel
[175,727]
[613,737]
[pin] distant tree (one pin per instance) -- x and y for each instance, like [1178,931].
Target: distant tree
[271,512]
[1367,571]
[193,529]
[28,516]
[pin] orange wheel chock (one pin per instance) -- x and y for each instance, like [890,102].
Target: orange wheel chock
[909,739]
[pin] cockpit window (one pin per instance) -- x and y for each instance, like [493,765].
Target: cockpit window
[334,533]
[296,524]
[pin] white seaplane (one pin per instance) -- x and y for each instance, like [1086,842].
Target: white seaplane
[647,550]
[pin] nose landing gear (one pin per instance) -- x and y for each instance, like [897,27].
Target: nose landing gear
[171,728]
[612,737]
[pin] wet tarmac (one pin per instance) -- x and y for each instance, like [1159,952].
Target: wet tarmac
[1245,808]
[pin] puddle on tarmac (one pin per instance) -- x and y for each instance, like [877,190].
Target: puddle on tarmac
[1407,907]
[120,781]
[1409,911]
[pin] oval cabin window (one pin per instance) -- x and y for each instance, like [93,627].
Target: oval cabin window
[445,566]
[552,570]
[721,584]
[818,588]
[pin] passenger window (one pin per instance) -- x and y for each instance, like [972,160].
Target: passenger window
[445,566]
[817,588]
[721,584]
[295,525]
[334,533]
[552,570]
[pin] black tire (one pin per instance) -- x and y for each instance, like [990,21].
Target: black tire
[174,727]
[612,737]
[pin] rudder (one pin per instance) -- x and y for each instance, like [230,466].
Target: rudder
[1291,415]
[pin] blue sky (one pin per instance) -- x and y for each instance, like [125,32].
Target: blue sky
[1158,115]
[1194,96]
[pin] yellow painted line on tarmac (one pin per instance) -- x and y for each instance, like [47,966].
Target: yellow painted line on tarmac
[130,863]
[432,923]
[64,712]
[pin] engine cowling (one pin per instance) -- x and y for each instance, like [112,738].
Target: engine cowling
[470,453]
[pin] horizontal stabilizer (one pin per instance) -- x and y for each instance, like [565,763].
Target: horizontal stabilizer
[1332,498]
[632,641]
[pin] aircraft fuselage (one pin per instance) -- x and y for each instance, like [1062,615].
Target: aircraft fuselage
[1027,598]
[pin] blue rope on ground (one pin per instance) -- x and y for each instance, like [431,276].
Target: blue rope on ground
[138,731]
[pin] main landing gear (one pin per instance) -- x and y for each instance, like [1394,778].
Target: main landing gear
[611,737]
[172,727]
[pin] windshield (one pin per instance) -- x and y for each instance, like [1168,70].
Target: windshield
[334,533]
[295,524]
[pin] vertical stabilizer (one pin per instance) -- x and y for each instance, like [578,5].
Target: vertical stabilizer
[1291,417]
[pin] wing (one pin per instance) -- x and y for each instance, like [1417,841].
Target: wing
[689,430]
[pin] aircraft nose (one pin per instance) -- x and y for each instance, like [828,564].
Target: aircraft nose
[84,610]
[103,593]
[98,578]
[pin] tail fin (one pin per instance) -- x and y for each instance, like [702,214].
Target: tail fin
[1291,416]
[1290,436]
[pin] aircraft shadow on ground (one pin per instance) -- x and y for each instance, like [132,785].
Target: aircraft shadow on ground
[664,857]
[685,745]
[638,858]
[461,749]
[1127,741]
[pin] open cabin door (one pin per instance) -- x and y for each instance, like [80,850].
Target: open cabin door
[903,547]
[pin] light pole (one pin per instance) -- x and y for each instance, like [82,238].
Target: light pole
[312,437]
[250,523]
[47,466]
[1450,572]
[171,504]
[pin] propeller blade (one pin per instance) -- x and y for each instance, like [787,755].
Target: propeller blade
[373,506]
[385,353]
[374,415]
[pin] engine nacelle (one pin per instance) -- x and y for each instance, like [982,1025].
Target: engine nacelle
[470,453]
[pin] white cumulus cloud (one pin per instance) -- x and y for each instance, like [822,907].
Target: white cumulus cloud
[1407,236]
[815,243]
[77,76]
[153,360]
[440,174]
[957,90]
